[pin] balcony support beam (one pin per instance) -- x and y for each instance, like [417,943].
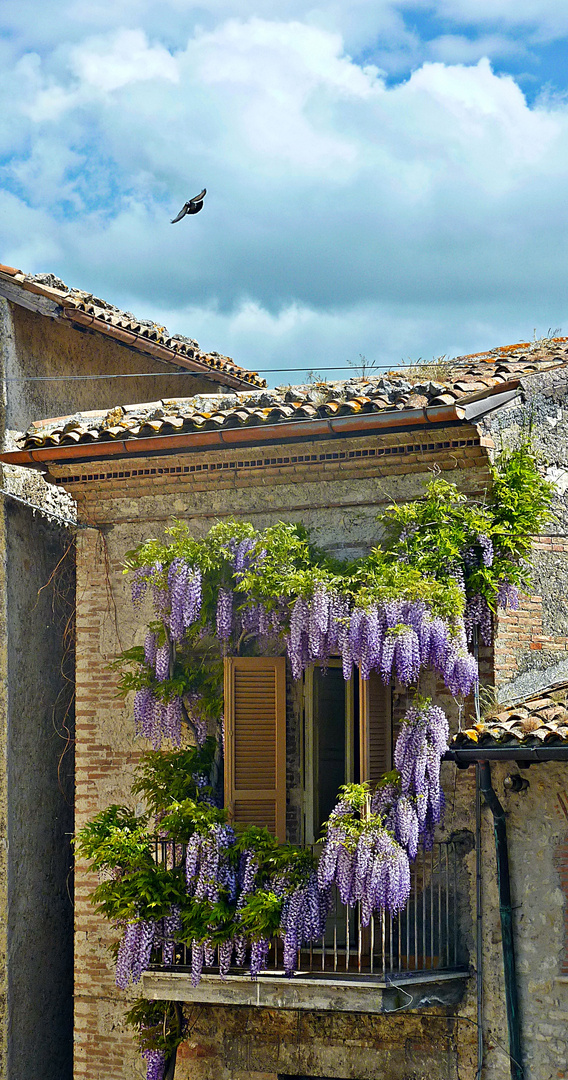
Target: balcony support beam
[274,991]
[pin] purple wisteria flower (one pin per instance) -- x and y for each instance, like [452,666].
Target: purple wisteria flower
[139,583]
[419,749]
[224,615]
[156,1064]
[478,613]
[259,951]
[134,952]
[304,915]
[486,545]
[163,662]
[150,648]
[508,596]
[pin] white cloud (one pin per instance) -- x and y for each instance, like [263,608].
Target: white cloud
[546,18]
[108,63]
[459,49]
[344,215]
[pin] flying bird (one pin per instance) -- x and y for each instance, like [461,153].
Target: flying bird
[193,206]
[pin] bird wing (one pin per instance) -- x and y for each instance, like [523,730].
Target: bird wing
[184,210]
[200,197]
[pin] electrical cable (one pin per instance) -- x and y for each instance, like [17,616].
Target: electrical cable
[388,367]
[193,374]
[44,510]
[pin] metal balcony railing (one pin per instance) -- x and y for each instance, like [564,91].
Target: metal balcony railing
[422,938]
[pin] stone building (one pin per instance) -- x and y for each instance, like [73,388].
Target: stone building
[60,349]
[405,1004]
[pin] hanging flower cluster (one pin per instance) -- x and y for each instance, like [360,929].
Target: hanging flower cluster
[315,613]
[393,638]
[362,858]
[304,915]
[156,1064]
[419,749]
[139,940]
[370,841]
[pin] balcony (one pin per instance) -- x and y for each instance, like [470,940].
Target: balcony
[409,960]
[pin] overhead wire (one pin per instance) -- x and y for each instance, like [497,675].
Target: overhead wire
[193,374]
[366,374]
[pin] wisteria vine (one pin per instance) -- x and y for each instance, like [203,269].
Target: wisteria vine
[414,604]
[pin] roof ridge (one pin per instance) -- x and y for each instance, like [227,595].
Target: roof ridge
[85,308]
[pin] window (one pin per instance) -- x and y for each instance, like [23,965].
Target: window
[345,734]
[347,738]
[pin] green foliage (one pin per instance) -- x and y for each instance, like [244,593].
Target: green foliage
[141,892]
[184,818]
[169,777]
[359,818]
[114,840]
[519,503]
[158,1025]
[192,674]
[261,914]
[433,533]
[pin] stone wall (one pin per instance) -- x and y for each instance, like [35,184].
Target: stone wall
[35,345]
[532,644]
[38,787]
[340,500]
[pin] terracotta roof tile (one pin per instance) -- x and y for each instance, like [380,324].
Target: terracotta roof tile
[542,718]
[468,378]
[86,309]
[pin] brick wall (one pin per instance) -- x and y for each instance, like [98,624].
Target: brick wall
[523,640]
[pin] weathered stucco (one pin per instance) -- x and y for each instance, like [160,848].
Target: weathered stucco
[36,794]
[38,346]
[40,795]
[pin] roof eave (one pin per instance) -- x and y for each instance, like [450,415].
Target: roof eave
[157,351]
[469,755]
[239,436]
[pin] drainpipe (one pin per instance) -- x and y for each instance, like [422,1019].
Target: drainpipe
[478,884]
[506,913]
[170,1067]
[479,925]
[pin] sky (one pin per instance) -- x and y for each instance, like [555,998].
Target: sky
[386,179]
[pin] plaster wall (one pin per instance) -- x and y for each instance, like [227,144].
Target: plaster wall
[39,775]
[37,345]
[36,795]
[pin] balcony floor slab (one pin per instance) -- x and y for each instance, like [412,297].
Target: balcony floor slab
[314,991]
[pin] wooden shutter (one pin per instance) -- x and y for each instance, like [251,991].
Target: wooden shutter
[255,742]
[375,728]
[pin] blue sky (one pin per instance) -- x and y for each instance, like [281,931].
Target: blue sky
[384,178]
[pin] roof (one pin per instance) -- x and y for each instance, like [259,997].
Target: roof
[534,729]
[540,719]
[48,295]
[458,381]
